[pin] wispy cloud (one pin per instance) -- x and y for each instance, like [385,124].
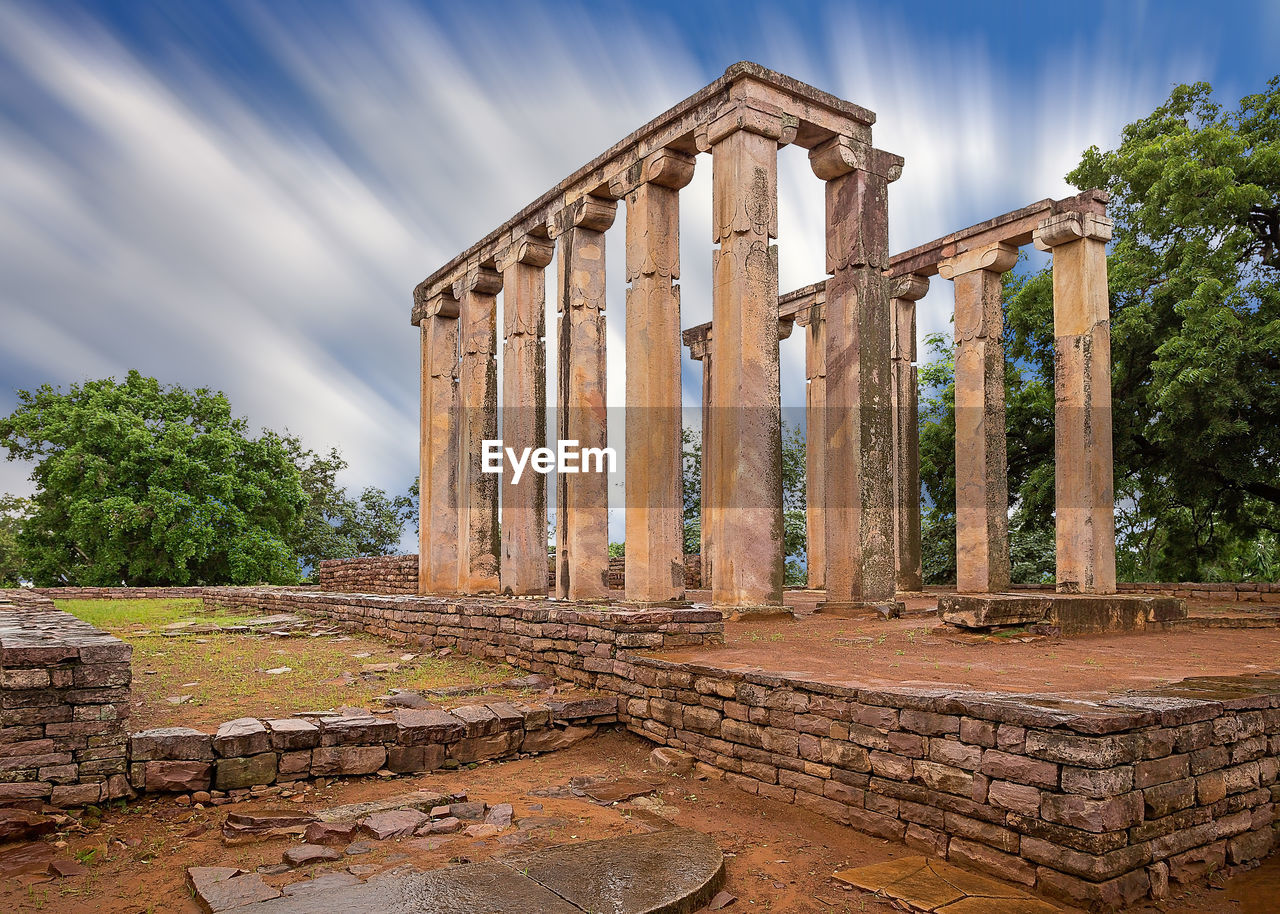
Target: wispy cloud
[157,214]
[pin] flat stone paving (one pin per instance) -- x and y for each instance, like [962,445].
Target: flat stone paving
[925,884]
[673,871]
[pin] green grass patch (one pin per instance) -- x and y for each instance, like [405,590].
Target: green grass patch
[120,616]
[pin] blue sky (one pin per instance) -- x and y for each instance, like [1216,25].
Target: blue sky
[243,195]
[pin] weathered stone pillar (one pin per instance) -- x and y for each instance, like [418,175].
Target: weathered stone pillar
[478,547]
[582,498]
[815,451]
[1084,474]
[699,343]
[654,471]
[437,480]
[523,569]
[906,291]
[982,485]
[859,423]
[745,453]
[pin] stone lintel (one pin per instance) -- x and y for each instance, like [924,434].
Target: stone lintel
[818,116]
[1072,614]
[911,287]
[1067,227]
[997,257]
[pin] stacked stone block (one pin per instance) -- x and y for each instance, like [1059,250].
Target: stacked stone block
[1223,592]
[375,574]
[1095,802]
[64,701]
[248,753]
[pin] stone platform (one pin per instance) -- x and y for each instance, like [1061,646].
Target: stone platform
[1071,614]
[673,871]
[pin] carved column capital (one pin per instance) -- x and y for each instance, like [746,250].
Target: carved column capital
[1067,227]
[998,257]
[665,168]
[753,116]
[589,212]
[812,314]
[911,287]
[698,341]
[843,154]
[484,280]
[440,304]
[534,251]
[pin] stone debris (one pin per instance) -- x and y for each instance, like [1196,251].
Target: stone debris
[406,699]
[378,669]
[279,670]
[24,825]
[499,815]
[308,854]
[321,884]
[481,831]
[618,791]
[335,833]
[668,760]
[396,823]
[354,812]
[221,888]
[446,826]
[357,848]
[179,699]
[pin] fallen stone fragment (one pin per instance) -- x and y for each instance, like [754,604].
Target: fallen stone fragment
[375,669]
[533,681]
[396,823]
[481,831]
[179,699]
[32,857]
[474,809]
[412,700]
[722,900]
[279,671]
[668,760]
[335,833]
[308,887]
[446,826]
[307,854]
[619,790]
[23,825]
[269,818]
[274,869]
[221,888]
[499,815]
[362,869]
[353,812]
[357,848]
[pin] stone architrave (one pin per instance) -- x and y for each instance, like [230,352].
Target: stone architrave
[654,452]
[478,546]
[982,487]
[438,481]
[906,291]
[859,419]
[523,566]
[582,498]
[815,455]
[745,453]
[699,342]
[1083,470]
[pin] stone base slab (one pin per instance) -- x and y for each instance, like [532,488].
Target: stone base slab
[762,611]
[857,609]
[1071,614]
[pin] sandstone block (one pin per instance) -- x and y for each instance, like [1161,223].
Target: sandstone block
[347,760]
[252,771]
[171,744]
[176,777]
[1092,815]
[418,728]
[67,795]
[240,737]
[293,733]
[554,738]
[356,731]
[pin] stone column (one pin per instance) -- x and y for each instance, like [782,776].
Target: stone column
[906,291]
[523,570]
[1084,474]
[745,454]
[654,470]
[478,547]
[982,484]
[859,423]
[815,452]
[438,480]
[582,498]
[699,344]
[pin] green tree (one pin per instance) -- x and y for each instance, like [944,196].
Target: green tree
[13,514]
[793,498]
[139,483]
[335,524]
[1194,276]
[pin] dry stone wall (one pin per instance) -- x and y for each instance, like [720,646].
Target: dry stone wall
[64,704]
[1230,592]
[375,574]
[247,754]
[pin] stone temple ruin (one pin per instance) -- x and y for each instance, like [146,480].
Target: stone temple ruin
[863,461]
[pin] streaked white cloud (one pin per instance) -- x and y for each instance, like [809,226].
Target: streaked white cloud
[157,217]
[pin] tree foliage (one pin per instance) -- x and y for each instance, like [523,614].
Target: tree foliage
[1194,276]
[141,483]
